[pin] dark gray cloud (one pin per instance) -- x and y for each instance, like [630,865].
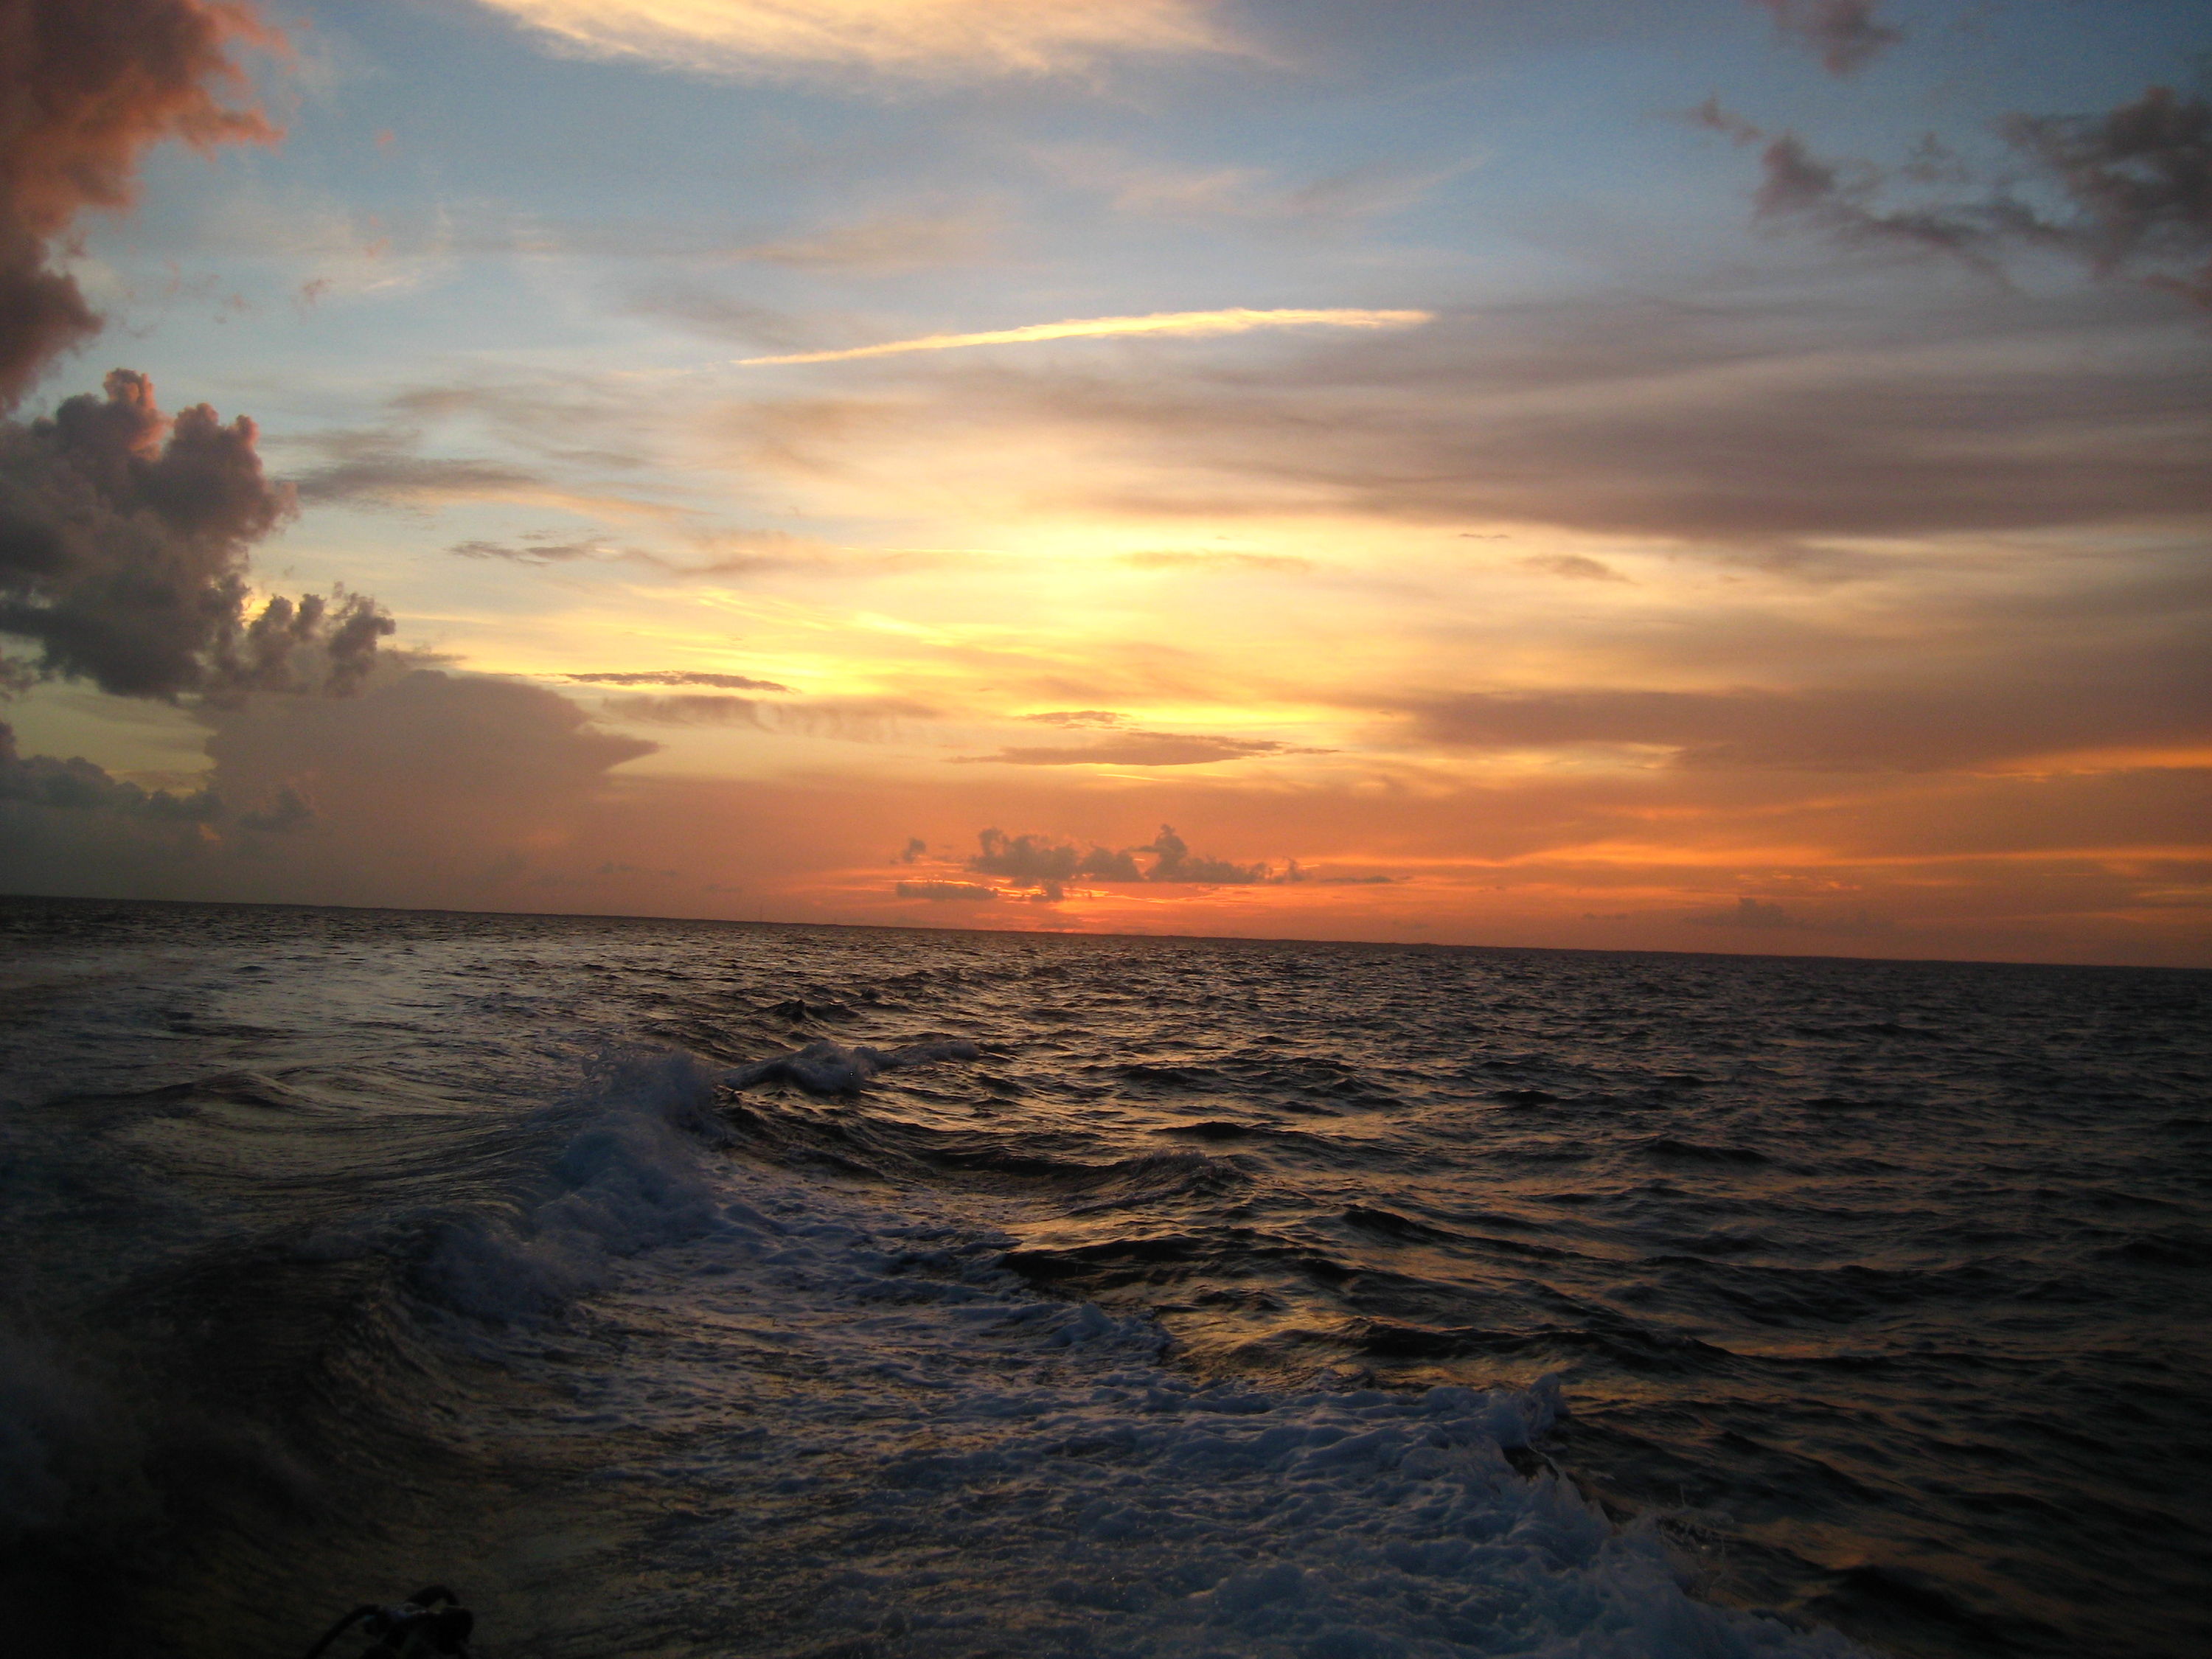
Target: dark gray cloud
[535,551]
[676,677]
[1845,34]
[381,469]
[123,543]
[1174,862]
[2126,192]
[78,786]
[1046,862]
[948,892]
[1036,860]
[84,92]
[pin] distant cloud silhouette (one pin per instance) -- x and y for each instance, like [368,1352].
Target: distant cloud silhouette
[1845,34]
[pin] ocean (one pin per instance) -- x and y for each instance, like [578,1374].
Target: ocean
[695,1289]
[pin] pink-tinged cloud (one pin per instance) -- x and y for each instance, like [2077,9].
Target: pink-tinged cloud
[85,90]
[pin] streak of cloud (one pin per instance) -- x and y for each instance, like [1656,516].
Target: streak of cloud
[1235,319]
[931,38]
[1137,749]
[677,676]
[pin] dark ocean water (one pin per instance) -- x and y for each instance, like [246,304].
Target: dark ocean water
[1091,1296]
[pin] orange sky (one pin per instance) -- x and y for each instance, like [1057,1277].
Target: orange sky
[1589,479]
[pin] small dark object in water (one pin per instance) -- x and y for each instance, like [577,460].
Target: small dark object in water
[417,1628]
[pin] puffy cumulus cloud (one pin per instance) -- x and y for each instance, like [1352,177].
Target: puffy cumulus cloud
[2127,191]
[1044,862]
[929,38]
[1174,861]
[124,542]
[1033,860]
[85,90]
[1846,34]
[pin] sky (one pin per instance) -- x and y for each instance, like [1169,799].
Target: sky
[1725,475]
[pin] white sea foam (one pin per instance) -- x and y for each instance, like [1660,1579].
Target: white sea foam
[629,1176]
[810,1388]
[830,1068]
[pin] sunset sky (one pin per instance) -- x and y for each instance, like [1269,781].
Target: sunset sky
[1718,475]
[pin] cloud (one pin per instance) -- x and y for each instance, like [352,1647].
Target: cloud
[1176,863]
[1034,860]
[1235,319]
[84,97]
[853,720]
[1575,567]
[124,540]
[2132,183]
[676,677]
[911,38]
[1763,430]
[1137,749]
[376,470]
[427,788]
[1078,717]
[78,786]
[2144,687]
[1845,34]
[948,892]
[1043,862]
[537,551]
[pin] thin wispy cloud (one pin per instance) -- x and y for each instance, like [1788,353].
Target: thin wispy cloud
[930,37]
[1235,319]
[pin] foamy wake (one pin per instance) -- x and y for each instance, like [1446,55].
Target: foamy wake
[854,1417]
